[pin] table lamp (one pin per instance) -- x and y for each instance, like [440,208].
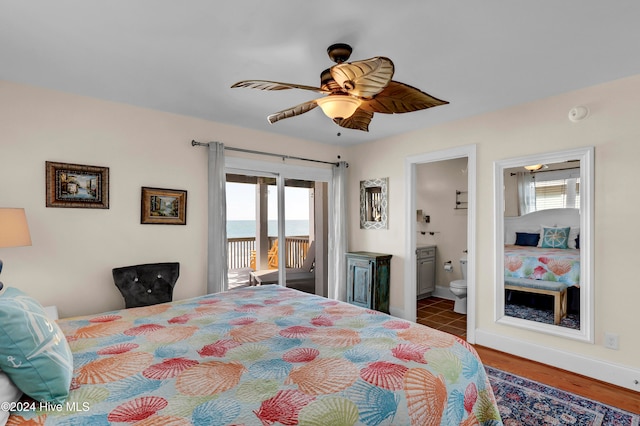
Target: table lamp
[14,231]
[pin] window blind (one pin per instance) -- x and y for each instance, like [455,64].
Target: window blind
[557,193]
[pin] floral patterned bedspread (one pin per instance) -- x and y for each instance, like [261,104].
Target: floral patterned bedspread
[548,264]
[267,355]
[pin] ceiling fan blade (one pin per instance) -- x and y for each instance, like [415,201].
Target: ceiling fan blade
[398,98]
[275,85]
[292,112]
[359,120]
[364,78]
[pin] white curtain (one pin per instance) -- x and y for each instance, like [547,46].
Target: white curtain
[338,234]
[217,279]
[526,192]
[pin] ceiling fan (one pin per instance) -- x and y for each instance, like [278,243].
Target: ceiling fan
[355,91]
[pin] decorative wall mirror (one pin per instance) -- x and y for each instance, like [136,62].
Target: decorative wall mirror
[373,203]
[544,232]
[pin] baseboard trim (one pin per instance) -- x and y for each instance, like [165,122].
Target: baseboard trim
[608,372]
[443,293]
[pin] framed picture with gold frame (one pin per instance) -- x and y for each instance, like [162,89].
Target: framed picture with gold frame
[163,206]
[76,186]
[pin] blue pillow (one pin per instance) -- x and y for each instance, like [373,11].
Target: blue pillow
[555,237]
[35,353]
[527,239]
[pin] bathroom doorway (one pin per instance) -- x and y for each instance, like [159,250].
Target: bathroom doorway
[441,214]
[441,197]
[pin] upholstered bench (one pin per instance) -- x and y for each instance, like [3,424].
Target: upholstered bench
[552,288]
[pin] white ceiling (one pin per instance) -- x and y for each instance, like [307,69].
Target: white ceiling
[183,56]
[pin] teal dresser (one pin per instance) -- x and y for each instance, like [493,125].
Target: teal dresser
[368,280]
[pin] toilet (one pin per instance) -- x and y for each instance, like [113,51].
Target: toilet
[459,289]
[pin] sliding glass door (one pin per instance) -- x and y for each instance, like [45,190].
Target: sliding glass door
[252,224]
[276,227]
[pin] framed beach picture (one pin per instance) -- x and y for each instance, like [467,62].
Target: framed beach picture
[163,206]
[76,186]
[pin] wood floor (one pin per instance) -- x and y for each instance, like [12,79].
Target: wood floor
[438,313]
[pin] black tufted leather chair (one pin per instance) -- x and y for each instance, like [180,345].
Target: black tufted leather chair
[148,284]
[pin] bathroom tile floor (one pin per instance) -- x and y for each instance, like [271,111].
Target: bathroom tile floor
[438,313]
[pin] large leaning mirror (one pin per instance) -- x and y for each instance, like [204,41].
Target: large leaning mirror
[544,228]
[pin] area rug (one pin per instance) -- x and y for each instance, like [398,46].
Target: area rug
[525,402]
[540,315]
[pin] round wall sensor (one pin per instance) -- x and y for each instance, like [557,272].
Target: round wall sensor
[578,113]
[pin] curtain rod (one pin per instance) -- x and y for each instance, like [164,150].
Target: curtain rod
[283,156]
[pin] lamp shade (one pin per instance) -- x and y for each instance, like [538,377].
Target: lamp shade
[338,106]
[14,231]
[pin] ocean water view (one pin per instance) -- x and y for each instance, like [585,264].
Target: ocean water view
[247,228]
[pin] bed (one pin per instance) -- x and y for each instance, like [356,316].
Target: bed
[261,356]
[542,256]
[529,255]
[546,264]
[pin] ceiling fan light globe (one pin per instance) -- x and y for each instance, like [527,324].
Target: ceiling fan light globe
[338,106]
[533,167]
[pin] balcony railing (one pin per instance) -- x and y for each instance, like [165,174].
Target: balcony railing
[241,250]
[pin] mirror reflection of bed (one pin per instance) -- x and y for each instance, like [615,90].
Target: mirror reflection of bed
[542,267]
[542,244]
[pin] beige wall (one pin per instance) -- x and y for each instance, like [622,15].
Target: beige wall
[612,127]
[74,250]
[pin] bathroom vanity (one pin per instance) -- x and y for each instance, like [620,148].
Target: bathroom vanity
[426,270]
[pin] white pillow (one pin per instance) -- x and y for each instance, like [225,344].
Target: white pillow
[573,234]
[8,393]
